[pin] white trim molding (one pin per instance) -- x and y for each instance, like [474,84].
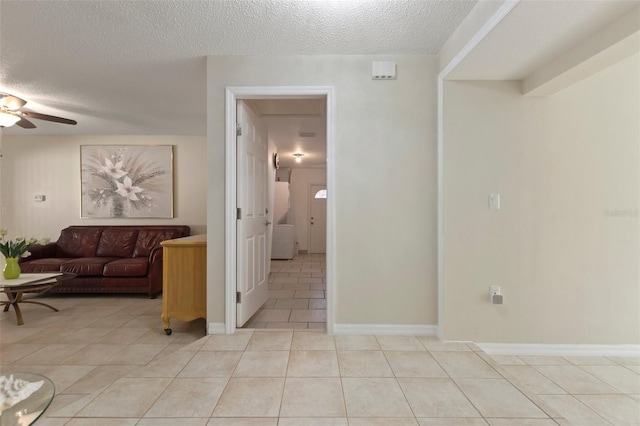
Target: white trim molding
[232,95]
[216,328]
[386,329]
[559,349]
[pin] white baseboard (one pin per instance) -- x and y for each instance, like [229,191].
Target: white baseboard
[386,329]
[216,328]
[559,349]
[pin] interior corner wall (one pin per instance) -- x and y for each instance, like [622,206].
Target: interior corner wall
[50,166]
[564,247]
[384,174]
[481,13]
[301,179]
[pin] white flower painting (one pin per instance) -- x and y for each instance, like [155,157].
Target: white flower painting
[127,181]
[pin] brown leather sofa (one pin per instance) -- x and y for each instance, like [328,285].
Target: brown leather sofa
[106,259]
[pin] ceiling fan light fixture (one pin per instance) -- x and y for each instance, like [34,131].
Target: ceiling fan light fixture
[11,114]
[8,120]
[298,156]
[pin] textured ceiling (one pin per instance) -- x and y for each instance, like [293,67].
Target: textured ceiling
[138,67]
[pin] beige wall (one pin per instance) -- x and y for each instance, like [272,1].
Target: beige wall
[385,178]
[565,245]
[50,165]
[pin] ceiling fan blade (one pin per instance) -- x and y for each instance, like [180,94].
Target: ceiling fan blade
[25,124]
[11,102]
[49,117]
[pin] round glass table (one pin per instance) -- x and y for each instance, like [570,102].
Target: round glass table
[27,411]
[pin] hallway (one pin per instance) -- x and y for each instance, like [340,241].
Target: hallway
[297,295]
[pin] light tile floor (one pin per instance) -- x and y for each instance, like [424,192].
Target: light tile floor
[297,295]
[112,364]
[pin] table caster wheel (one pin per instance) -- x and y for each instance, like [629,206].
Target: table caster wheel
[168,331]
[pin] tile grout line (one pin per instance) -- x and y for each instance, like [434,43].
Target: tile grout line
[455,383]
[397,381]
[231,376]
[284,381]
[524,390]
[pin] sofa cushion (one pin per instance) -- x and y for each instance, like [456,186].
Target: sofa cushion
[42,265]
[150,238]
[89,266]
[129,267]
[117,242]
[125,285]
[78,241]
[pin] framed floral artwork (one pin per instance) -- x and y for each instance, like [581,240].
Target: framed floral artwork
[126,181]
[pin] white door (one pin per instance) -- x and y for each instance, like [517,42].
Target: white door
[318,219]
[252,224]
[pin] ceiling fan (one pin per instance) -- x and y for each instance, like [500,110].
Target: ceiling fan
[11,113]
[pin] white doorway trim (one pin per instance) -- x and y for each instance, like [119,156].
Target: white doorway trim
[232,95]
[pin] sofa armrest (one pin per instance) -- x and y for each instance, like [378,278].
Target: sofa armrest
[155,271]
[39,251]
[156,255]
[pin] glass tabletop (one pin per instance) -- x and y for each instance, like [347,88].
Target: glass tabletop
[27,411]
[25,280]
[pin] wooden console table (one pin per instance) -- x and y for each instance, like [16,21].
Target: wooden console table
[184,285]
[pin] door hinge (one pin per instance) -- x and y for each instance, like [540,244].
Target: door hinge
[238,213]
[238,297]
[238,129]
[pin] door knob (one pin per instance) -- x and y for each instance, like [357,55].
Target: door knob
[267,223]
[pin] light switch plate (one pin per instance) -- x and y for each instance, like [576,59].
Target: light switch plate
[494,201]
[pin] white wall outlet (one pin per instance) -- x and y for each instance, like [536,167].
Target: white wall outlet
[495,294]
[40,198]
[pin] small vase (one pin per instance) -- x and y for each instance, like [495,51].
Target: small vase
[11,269]
[117,208]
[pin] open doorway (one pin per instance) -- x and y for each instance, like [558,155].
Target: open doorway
[300,284]
[296,294]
